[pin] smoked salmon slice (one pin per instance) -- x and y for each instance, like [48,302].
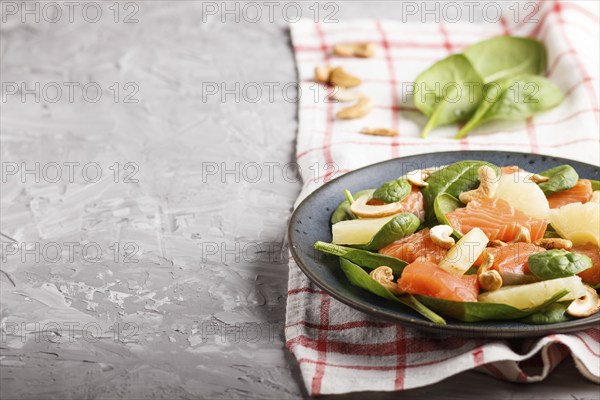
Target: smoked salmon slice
[511,261]
[513,257]
[590,275]
[496,218]
[413,203]
[428,279]
[580,193]
[413,247]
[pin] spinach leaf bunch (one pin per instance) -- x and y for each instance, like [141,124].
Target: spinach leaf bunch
[496,79]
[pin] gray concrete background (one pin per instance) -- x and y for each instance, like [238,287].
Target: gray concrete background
[190,302]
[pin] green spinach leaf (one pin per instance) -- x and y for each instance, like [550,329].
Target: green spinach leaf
[552,314]
[506,56]
[393,191]
[358,277]
[398,227]
[343,213]
[551,232]
[472,270]
[442,205]
[453,180]
[448,91]
[552,264]
[562,177]
[515,98]
[365,259]
[476,311]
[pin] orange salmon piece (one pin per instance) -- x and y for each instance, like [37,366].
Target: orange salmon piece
[513,257]
[590,275]
[496,218]
[428,279]
[413,247]
[580,193]
[511,261]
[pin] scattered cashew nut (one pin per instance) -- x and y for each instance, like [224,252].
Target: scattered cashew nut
[322,73]
[339,77]
[363,106]
[344,96]
[441,236]
[487,186]
[364,50]
[585,306]
[379,131]
[554,243]
[360,208]
[489,279]
[385,276]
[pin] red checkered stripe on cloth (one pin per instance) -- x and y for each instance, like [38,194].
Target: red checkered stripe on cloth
[340,349]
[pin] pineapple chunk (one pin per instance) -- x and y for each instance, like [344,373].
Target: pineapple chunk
[463,254]
[523,194]
[580,223]
[358,231]
[534,294]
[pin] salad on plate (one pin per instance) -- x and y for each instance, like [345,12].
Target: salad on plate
[475,241]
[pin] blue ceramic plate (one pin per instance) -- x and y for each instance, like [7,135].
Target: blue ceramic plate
[310,223]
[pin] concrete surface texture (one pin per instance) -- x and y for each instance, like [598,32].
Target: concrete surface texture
[144,208]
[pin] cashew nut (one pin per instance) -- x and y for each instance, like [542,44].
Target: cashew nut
[585,306]
[364,50]
[358,110]
[537,178]
[441,236]
[322,73]
[385,276]
[379,131]
[344,96]
[418,177]
[339,77]
[487,186]
[360,208]
[523,235]
[595,196]
[496,243]
[489,279]
[554,243]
